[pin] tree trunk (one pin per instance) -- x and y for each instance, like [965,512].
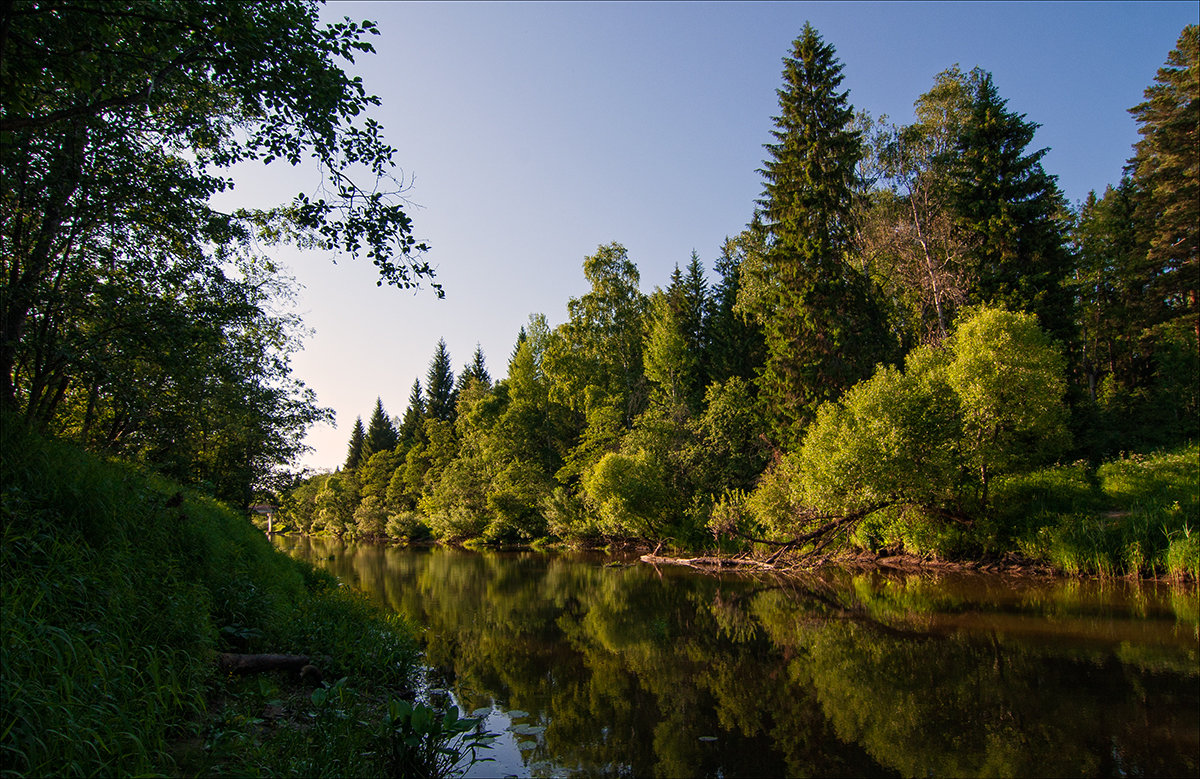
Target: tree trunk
[229,662]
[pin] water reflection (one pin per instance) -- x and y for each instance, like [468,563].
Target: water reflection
[624,670]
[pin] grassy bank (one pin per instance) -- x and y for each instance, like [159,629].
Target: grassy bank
[119,589]
[1138,515]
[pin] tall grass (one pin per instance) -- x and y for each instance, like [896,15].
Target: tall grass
[1139,515]
[118,588]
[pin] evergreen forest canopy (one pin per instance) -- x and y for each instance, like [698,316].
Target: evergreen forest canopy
[913,315]
[137,319]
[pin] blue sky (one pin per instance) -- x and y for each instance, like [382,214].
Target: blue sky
[533,132]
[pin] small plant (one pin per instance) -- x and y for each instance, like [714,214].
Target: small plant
[427,744]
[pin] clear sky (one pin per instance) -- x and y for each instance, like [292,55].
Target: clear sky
[533,132]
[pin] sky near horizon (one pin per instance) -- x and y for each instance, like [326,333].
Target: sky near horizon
[531,133]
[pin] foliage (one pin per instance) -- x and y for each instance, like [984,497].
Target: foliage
[1135,515]
[630,493]
[119,586]
[595,357]
[426,744]
[1009,381]
[138,319]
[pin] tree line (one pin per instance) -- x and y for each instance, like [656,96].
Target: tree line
[913,312]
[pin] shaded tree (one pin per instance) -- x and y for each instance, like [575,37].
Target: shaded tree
[117,128]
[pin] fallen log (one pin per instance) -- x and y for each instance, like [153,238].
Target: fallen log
[705,562]
[229,662]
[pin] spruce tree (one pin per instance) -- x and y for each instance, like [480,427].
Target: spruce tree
[381,433]
[440,396]
[1166,171]
[735,342]
[1108,284]
[414,417]
[1012,212]
[691,303]
[823,330]
[475,370]
[355,454]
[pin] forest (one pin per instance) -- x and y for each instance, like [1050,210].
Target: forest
[914,337]
[914,332]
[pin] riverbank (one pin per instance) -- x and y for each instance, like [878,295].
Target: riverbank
[1134,516]
[121,594]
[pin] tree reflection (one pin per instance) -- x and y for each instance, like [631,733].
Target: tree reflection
[634,671]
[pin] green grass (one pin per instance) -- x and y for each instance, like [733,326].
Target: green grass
[1139,515]
[118,590]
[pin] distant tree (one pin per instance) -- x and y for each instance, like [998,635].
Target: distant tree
[440,397]
[670,365]
[823,330]
[596,355]
[734,450]
[414,415]
[735,341]
[358,437]
[381,433]
[690,306]
[1115,341]
[474,371]
[375,473]
[335,505]
[370,518]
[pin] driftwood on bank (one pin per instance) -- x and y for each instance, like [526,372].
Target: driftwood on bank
[230,662]
[706,563]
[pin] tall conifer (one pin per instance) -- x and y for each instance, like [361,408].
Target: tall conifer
[476,370]
[440,397]
[381,433]
[1012,210]
[357,436]
[414,416]
[823,330]
[1166,171]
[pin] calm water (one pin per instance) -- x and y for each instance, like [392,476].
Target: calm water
[596,668]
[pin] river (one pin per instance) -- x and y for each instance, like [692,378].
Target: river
[598,666]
